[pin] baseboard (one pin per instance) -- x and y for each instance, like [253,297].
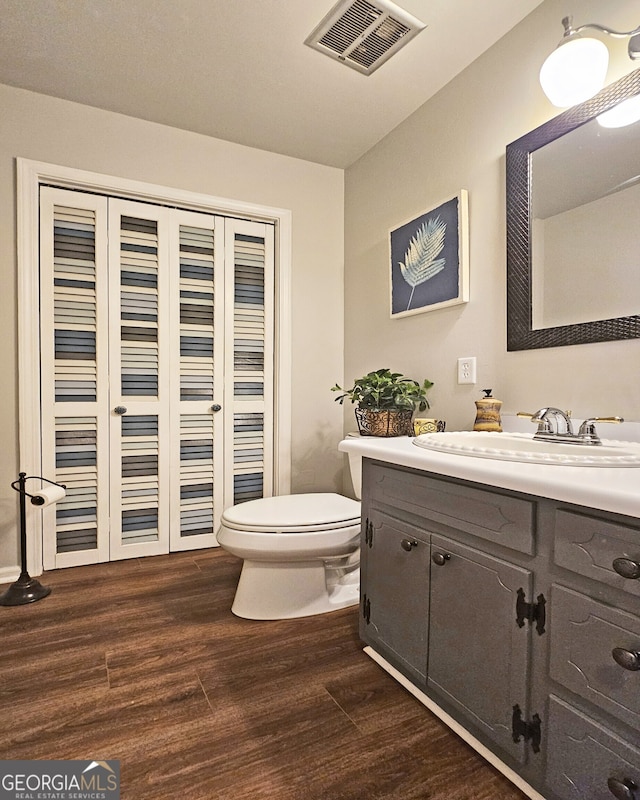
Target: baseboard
[9,574]
[524,787]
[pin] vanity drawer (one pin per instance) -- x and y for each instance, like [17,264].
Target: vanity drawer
[583,756]
[583,635]
[589,546]
[496,517]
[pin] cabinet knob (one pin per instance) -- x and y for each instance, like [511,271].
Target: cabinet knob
[408,544]
[627,659]
[440,559]
[624,789]
[627,567]
[216,407]
[120,410]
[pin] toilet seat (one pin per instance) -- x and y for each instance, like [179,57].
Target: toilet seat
[295,513]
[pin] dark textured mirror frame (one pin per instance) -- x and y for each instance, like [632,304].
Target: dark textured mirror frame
[520,335]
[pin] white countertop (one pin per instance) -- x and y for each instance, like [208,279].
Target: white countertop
[615,489]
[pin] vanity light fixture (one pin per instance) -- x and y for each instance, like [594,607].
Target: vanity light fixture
[577,68]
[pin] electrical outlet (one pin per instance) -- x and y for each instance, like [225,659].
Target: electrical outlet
[467,369]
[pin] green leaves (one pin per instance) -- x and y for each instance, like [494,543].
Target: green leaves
[383,389]
[421,260]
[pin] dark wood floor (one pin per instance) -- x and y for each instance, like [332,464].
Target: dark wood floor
[142,661]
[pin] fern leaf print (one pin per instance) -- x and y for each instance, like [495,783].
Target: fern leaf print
[421,260]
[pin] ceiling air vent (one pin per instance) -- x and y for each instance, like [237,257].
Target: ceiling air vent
[362,34]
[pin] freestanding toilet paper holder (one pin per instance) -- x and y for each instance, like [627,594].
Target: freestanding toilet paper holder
[26,589]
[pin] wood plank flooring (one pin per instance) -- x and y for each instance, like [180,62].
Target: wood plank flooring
[142,661]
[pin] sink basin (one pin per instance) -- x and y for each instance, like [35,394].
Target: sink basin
[523,447]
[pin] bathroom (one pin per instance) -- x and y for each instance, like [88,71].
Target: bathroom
[340,325]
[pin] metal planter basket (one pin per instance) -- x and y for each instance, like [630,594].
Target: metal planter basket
[393,422]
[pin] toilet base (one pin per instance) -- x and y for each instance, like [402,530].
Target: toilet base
[268,590]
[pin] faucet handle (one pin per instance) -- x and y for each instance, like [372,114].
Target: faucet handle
[544,424]
[588,428]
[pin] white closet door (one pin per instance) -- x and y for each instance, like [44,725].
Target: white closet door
[74,333]
[249,390]
[197,370]
[139,370]
[157,349]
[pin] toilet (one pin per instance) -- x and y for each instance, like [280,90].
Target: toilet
[301,552]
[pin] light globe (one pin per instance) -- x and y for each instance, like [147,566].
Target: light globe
[575,71]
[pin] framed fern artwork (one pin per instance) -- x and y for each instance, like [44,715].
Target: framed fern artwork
[430,259]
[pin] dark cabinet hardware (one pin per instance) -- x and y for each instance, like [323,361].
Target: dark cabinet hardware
[366,609]
[408,544]
[529,731]
[216,407]
[627,659]
[120,410]
[624,789]
[627,568]
[440,559]
[368,532]
[531,612]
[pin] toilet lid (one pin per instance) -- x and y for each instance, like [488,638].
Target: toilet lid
[295,512]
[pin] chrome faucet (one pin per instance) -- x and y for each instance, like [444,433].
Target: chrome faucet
[555,425]
[552,422]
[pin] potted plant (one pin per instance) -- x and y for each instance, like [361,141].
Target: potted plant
[385,402]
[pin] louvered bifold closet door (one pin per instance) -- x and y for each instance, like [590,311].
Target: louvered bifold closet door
[140,343]
[74,375]
[197,370]
[249,390]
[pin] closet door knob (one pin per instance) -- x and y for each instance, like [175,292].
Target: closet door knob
[624,789]
[440,559]
[627,568]
[120,410]
[408,544]
[627,659]
[216,407]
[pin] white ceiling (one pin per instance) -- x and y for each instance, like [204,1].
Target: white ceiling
[238,69]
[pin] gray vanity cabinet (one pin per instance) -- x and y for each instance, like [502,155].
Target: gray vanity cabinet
[517,616]
[478,655]
[443,612]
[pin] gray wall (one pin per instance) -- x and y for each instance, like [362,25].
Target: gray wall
[457,140]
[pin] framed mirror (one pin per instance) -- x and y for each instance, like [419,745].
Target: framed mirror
[573,228]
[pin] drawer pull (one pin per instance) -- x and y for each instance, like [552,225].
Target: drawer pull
[627,568]
[624,789]
[440,559]
[408,544]
[627,659]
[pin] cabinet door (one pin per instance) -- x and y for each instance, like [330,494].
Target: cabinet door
[395,593]
[478,655]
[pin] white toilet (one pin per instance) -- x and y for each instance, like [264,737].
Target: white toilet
[301,552]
